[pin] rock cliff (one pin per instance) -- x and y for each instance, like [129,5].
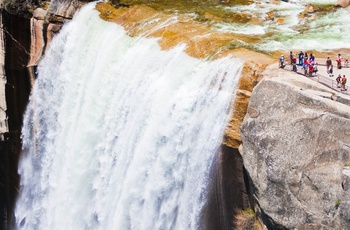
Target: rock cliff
[342,3]
[26,37]
[294,134]
[295,145]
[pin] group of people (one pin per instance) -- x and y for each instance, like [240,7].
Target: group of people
[339,64]
[310,67]
[305,61]
[341,82]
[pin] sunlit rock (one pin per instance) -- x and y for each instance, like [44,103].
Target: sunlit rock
[270,16]
[60,10]
[342,3]
[39,13]
[310,9]
[37,41]
[280,20]
[249,77]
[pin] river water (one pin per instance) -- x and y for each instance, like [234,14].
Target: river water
[120,134]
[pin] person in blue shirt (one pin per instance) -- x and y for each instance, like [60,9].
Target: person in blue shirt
[301,58]
[282,61]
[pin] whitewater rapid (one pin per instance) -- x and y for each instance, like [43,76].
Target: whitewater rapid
[119,134]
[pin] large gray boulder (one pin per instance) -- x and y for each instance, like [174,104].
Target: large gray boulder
[295,145]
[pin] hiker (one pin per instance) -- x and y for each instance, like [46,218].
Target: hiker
[343,83]
[315,68]
[306,65]
[282,61]
[301,58]
[306,56]
[347,63]
[330,71]
[294,63]
[338,79]
[339,61]
[312,57]
[328,63]
[311,70]
[291,57]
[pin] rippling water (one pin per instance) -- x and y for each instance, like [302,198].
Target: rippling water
[321,30]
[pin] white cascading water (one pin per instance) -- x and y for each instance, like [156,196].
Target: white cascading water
[120,134]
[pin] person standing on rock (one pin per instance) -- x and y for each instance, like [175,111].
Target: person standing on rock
[328,63]
[306,66]
[339,61]
[343,83]
[311,70]
[291,57]
[294,63]
[338,79]
[282,61]
[330,71]
[312,57]
[301,58]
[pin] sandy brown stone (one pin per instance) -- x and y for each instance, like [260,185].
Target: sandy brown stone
[39,13]
[342,3]
[249,78]
[37,41]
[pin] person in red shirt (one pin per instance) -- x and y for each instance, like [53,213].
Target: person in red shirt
[343,83]
[311,70]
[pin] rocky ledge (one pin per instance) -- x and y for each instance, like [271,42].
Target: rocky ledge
[296,149]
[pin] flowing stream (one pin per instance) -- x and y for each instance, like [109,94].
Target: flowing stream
[120,134]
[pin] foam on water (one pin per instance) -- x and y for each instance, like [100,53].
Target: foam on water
[327,31]
[119,134]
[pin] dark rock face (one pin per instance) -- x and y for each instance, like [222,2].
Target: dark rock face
[17,45]
[23,38]
[295,147]
[228,191]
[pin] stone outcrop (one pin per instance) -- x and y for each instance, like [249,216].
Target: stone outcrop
[295,145]
[342,3]
[3,106]
[249,77]
[60,10]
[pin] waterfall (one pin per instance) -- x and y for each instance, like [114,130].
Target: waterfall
[119,134]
